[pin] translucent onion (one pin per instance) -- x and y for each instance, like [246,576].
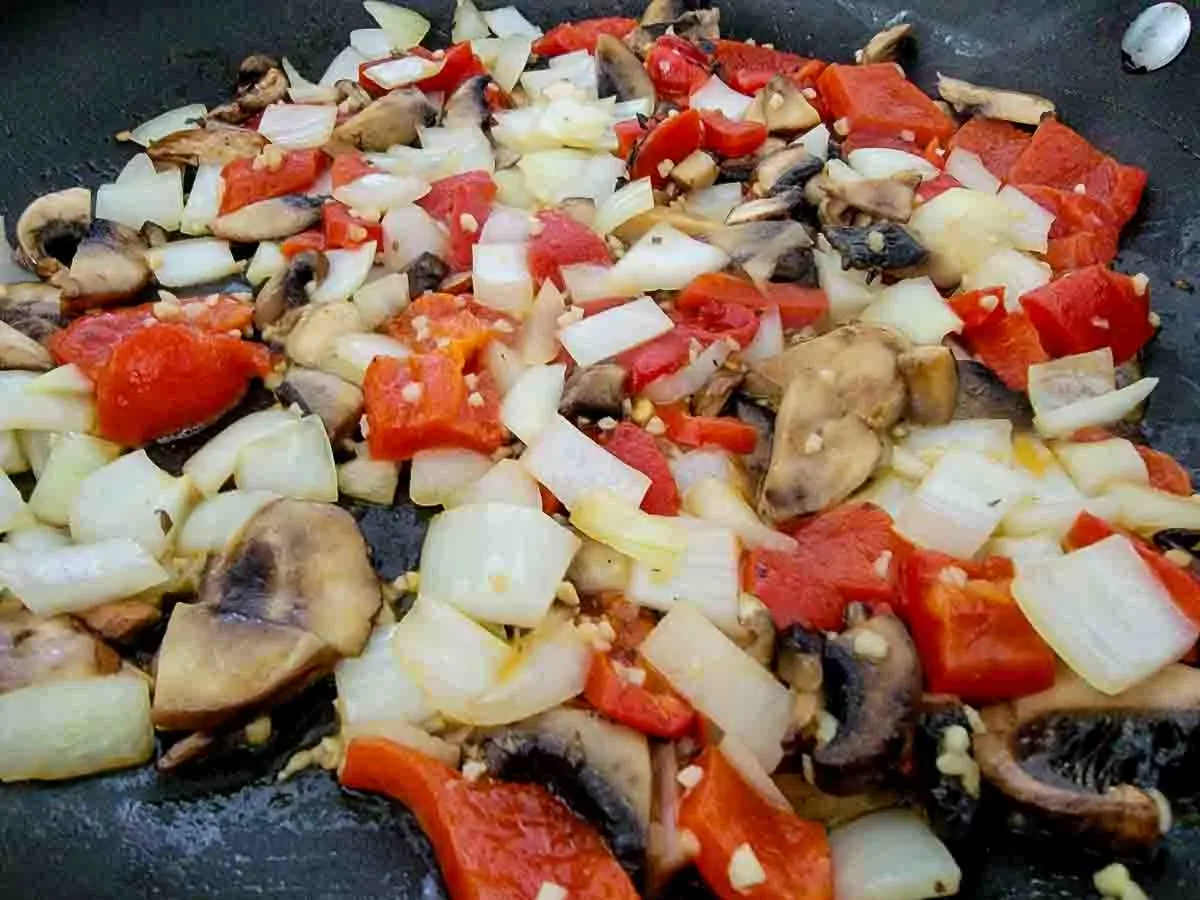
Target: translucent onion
[156,198]
[532,402]
[1016,272]
[404,27]
[469,23]
[505,482]
[441,474]
[72,459]
[962,228]
[76,578]
[885,162]
[213,464]
[169,122]
[138,167]
[716,202]
[537,341]
[348,271]
[204,201]
[916,309]
[666,259]
[706,576]
[657,541]
[68,379]
[467,148]
[301,90]
[382,298]
[298,126]
[768,340]
[991,437]
[614,331]
[1031,225]
[1101,464]
[598,567]
[507,225]
[848,291]
[553,176]
[692,377]
[13,511]
[891,855]
[1148,511]
[374,686]
[215,524]
[508,21]
[409,232]
[591,281]
[377,192]
[12,457]
[369,480]
[373,43]
[343,67]
[716,95]
[1069,379]
[816,142]
[24,410]
[501,277]
[185,263]
[570,465]
[690,468]
[295,461]
[402,72]
[719,502]
[968,169]
[1095,411]
[635,198]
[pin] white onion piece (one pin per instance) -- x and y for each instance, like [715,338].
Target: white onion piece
[577,69]
[690,468]
[377,192]
[23,410]
[36,538]
[916,309]
[503,364]
[139,167]
[891,855]
[691,377]
[507,225]
[75,578]
[635,198]
[407,70]
[532,402]
[157,198]
[404,27]
[469,23]
[408,232]
[570,464]
[721,681]
[373,43]
[706,576]
[848,291]
[298,126]
[504,58]
[505,482]
[719,502]
[343,67]
[1095,411]
[741,758]
[887,491]
[768,340]
[441,474]
[348,271]
[213,464]
[666,259]
[556,122]
[169,122]
[886,162]
[968,169]
[10,272]
[1098,465]
[553,176]
[73,458]
[1103,610]
[614,331]
[35,446]
[375,687]
[301,90]
[184,263]
[216,523]
[12,457]
[1055,517]
[657,541]
[75,727]
[591,281]
[1016,272]
[598,567]
[370,480]
[13,511]
[497,563]
[716,95]
[501,278]
[467,148]
[1148,510]
[816,142]
[382,298]
[512,190]
[204,202]
[68,379]
[406,735]
[1025,550]
[295,461]
[537,341]
[962,228]
[716,202]
[991,437]
[960,503]
[1048,480]
[1069,379]
[508,21]
[1031,225]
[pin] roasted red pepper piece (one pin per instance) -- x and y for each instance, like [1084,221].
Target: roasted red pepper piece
[628,134]
[493,840]
[927,190]
[638,449]
[713,320]
[244,184]
[725,432]
[1084,232]
[348,168]
[729,138]
[443,323]
[1090,309]
[799,306]
[646,364]
[748,67]
[461,63]
[1166,474]
[879,98]
[672,140]
[658,712]
[342,229]
[978,308]
[997,144]
[450,201]
[563,241]
[582,35]
[1008,345]
[313,239]
[865,138]
[677,68]
[724,812]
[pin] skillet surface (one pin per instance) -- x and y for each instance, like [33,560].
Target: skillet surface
[76,72]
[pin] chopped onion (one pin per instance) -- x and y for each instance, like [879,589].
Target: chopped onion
[916,309]
[23,410]
[741,758]
[403,72]
[537,341]
[36,538]
[962,228]
[1055,517]
[1094,411]
[706,576]
[1101,464]
[848,291]
[169,122]
[13,511]
[466,147]
[374,686]
[570,465]
[692,377]
[139,167]
[204,202]
[716,202]
[553,176]
[968,169]
[532,402]
[614,331]
[725,684]
[497,563]
[36,446]
[690,468]
[12,457]
[298,126]
[441,474]
[75,727]
[157,198]
[1031,225]
[213,464]
[348,271]
[344,67]
[373,43]
[507,225]
[1069,379]
[1103,610]
[1024,550]
[505,482]
[507,21]
[891,855]
[380,299]
[68,379]
[557,122]
[666,259]
[597,568]
[294,461]
[1048,480]
[405,28]
[301,90]
[469,23]
[503,364]
[657,541]
[635,198]
[1016,272]
[960,503]
[591,281]
[10,272]
[991,437]
[72,459]
[409,232]
[369,480]
[512,188]
[216,523]
[507,58]
[501,278]
[888,491]
[886,162]
[578,70]
[75,578]
[376,192]
[184,263]
[1148,511]
[768,340]
[716,95]
[719,502]
[816,142]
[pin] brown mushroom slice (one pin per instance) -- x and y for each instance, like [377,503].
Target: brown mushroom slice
[883,198]
[711,399]
[287,290]
[620,74]
[269,220]
[122,620]
[788,169]
[981,395]
[995,103]
[34,651]
[109,266]
[1053,757]
[34,309]
[214,144]
[884,46]
[468,105]
[337,403]
[693,226]
[782,108]
[777,206]
[392,119]
[17,351]
[872,682]
[813,804]
[51,227]
[931,375]
[260,82]
[594,391]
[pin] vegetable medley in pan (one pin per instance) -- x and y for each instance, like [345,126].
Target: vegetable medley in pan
[780,421]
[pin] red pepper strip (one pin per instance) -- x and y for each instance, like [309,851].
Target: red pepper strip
[493,841]
[1166,474]
[461,198]
[628,134]
[671,141]
[677,68]
[657,713]
[646,364]
[638,449]
[583,35]
[348,168]
[459,64]
[729,138]
[244,184]
[978,309]
[313,239]
[799,306]
[1090,309]
[341,228]
[725,432]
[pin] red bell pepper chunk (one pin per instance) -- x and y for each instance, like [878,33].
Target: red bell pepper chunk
[582,35]
[729,138]
[725,432]
[651,361]
[1166,474]
[166,378]
[979,308]
[563,241]
[724,812]
[713,321]
[837,561]
[638,449]
[748,67]
[672,140]
[1008,346]
[677,68]
[1090,309]
[348,168]
[628,134]
[658,713]
[934,187]
[799,306]
[493,840]
[244,184]
[997,144]
[1085,231]
[878,97]
[452,199]
[864,138]
[443,323]
[341,228]
[459,64]
[1083,249]
[921,569]
[313,239]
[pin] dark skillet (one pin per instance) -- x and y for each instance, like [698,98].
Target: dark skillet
[75,73]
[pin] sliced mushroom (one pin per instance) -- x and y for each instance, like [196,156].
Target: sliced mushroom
[20,352]
[338,403]
[741,168]
[1012,106]
[885,245]
[811,803]
[34,309]
[317,327]
[269,220]
[1082,764]
[950,803]
[931,375]
[122,621]
[981,395]
[872,680]
[392,119]
[51,228]
[260,82]
[884,46]
[758,460]
[594,391]
[620,74]
[768,250]
[109,266]
[782,108]
[426,273]
[34,651]
[352,97]
[274,613]
[789,168]
[693,226]
[711,399]
[778,206]
[663,12]
[286,290]
[215,144]
[838,202]
[695,172]
[468,105]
